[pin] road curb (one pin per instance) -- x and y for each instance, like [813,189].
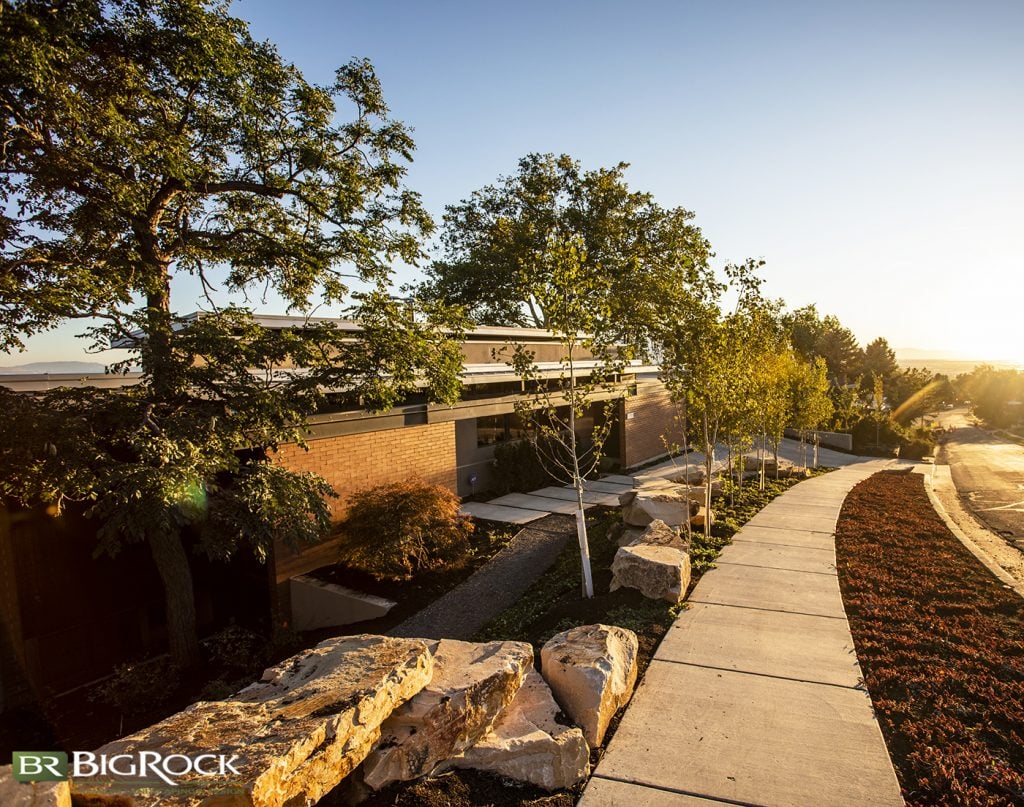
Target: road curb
[998,571]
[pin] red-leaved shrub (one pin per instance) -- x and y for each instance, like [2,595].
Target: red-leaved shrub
[396,531]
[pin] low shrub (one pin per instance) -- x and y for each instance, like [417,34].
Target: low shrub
[518,468]
[236,649]
[881,437]
[138,687]
[396,531]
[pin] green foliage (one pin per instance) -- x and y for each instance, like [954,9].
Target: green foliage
[815,337]
[579,254]
[646,257]
[809,394]
[396,531]
[236,649]
[518,467]
[881,435]
[558,582]
[150,139]
[575,297]
[141,134]
[879,359]
[138,687]
[991,391]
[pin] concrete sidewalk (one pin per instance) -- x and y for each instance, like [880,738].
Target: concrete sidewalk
[754,697]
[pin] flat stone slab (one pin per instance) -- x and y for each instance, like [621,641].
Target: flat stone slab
[527,501]
[772,589]
[603,792]
[796,646]
[500,512]
[568,494]
[296,733]
[604,486]
[781,556]
[784,537]
[618,479]
[751,739]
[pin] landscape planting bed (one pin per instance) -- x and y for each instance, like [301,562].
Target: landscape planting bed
[941,644]
[554,604]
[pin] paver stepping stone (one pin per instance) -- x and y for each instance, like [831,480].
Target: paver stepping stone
[498,512]
[544,504]
[602,486]
[589,496]
[618,479]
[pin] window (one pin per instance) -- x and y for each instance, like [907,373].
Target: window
[491,430]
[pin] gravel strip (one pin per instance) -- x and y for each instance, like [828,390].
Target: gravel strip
[465,609]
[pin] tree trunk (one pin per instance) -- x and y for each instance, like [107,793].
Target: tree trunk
[581,535]
[577,480]
[709,463]
[179,598]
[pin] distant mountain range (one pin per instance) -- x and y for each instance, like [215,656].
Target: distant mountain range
[55,367]
[940,361]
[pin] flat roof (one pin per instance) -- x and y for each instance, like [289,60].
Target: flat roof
[282,321]
[471,374]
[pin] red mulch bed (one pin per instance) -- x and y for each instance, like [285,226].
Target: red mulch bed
[941,644]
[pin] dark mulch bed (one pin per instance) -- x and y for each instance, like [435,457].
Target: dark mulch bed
[82,720]
[941,644]
[412,596]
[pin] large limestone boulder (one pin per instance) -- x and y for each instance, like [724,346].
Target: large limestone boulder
[693,475]
[657,533]
[32,794]
[295,734]
[630,536]
[658,572]
[528,743]
[639,509]
[591,671]
[471,687]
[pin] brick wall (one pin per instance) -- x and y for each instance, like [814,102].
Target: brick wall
[353,462]
[648,416]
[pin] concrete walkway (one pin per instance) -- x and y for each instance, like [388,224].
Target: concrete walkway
[493,587]
[754,696]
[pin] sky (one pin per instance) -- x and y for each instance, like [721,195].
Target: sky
[871,153]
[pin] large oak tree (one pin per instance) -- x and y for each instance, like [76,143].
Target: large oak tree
[648,258]
[146,139]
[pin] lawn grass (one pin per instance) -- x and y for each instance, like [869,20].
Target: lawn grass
[941,644]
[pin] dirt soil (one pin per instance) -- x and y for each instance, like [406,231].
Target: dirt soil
[941,644]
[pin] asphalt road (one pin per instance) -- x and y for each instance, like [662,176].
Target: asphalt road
[988,472]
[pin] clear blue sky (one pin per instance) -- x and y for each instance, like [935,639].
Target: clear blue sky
[872,153]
